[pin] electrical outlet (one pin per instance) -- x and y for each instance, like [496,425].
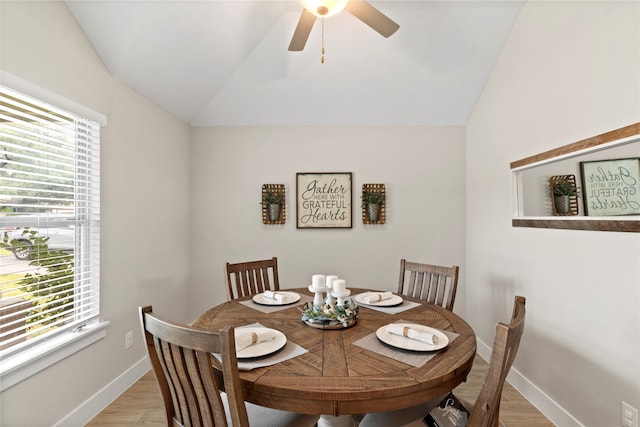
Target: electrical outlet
[128,340]
[628,415]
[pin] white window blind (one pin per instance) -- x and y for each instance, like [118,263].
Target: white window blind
[49,222]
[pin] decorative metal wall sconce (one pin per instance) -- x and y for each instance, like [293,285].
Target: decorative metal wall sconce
[274,209]
[374,204]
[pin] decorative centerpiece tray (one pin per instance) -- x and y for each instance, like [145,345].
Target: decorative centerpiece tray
[330,316]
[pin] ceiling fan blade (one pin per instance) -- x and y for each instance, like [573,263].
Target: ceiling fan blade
[300,36]
[371,16]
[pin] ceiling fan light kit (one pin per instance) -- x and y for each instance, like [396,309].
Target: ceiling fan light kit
[324,8]
[361,9]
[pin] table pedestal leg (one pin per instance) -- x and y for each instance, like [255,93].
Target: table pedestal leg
[341,421]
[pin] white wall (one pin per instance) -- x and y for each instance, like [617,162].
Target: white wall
[422,167]
[569,70]
[145,155]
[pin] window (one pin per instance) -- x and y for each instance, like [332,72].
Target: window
[49,227]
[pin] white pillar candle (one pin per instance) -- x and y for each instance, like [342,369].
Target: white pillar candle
[330,280]
[339,285]
[317,281]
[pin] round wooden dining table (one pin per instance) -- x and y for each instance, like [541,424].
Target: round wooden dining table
[336,377]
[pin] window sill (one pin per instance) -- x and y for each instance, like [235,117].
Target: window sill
[24,364]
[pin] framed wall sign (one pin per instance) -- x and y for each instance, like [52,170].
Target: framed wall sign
[323,200]
[611,187]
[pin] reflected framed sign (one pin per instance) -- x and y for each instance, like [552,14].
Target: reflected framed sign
[323,200]
[611,187]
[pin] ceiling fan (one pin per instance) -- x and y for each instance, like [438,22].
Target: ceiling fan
[361,9]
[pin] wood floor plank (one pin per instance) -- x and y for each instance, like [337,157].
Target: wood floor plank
[141,404]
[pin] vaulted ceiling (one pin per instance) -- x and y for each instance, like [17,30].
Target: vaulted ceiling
[225,62]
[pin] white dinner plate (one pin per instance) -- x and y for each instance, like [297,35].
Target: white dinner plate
[394,300]
[409,343]
[261,348]
[291,298]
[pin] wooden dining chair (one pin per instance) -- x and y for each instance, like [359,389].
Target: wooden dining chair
[486,410]
[182,360]
[432,283]
[252,277]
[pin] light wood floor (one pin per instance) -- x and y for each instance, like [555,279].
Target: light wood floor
[141,404]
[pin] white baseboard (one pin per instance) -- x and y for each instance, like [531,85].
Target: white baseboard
[96,403]
[550,408]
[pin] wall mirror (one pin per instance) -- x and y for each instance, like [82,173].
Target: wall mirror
[533,203]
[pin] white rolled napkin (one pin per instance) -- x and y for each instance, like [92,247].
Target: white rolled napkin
[276,296]
[412,333]
[376,297]
[247,339]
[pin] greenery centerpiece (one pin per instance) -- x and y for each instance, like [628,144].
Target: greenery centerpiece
[330,316]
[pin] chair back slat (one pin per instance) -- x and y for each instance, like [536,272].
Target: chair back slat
[250,278]
[486,411]
[182,360]
[433,283]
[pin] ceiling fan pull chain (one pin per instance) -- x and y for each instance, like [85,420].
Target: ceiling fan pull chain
[322,57]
